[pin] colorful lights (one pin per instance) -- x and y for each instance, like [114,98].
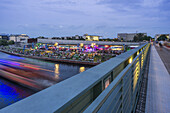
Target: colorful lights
[9,62]
[81,44]
[118,48]
[106,46]
[92,44]
[56,44]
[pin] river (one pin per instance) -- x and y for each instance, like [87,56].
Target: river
[11,92]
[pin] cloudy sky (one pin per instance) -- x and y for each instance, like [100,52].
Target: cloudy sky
[77,17]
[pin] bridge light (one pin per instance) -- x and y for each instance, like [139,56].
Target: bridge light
[130,60]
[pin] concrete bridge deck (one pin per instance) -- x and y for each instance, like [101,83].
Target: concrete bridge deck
[158,90]
[165,56]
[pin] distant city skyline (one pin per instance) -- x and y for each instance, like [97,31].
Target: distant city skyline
[52,18]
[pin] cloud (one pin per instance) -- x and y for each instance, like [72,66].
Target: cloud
[23,26]
[64,2]
[152,3]
[6,2]
[59,17]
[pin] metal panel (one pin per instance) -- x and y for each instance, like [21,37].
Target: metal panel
[130,79]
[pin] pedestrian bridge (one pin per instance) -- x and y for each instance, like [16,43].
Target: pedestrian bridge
[112,86]
[158,90]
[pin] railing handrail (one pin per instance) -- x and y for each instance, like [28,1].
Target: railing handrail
[96,104]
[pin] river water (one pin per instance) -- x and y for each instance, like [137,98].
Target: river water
[11,92]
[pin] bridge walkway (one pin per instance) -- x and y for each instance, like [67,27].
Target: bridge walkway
[165,56]
[158,90]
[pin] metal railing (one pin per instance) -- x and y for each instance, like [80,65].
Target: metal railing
[112,86]
[122,94]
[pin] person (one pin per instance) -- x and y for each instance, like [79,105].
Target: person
[160,44]
[152,43]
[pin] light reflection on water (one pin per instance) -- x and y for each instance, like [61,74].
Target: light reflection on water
[81,69]
[11,92]
[57,71]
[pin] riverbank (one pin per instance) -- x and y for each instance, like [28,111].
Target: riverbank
[52,59]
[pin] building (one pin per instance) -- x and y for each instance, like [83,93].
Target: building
[4,36]
[76,37]
[32,40]
[128,36]
[19,38]
[158,35]
[92,37]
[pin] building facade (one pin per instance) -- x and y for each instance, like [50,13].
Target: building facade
[92,37]
[128,36]
[19,38]
[4,36]
[76,37]
[32,40]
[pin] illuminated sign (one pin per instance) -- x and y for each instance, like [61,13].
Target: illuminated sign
[107,82]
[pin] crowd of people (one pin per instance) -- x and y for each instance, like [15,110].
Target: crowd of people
[162,44]
[80,55]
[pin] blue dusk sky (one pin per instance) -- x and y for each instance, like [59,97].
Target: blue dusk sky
[76,17]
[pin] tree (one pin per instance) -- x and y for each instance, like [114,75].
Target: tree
[122,39]
[147,38]
[162,37]
[42,37]
[3,42]
[108,39]
[139,37]
[10,42]
[135,39]
[115,39]
[81,38]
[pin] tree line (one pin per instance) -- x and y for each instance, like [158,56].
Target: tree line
[4,42]
[162,37]
[141,37]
